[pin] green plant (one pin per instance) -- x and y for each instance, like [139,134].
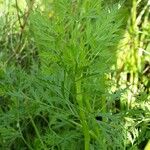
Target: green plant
[58,86]
[79,41]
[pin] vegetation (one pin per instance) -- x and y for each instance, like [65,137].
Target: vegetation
[74,75]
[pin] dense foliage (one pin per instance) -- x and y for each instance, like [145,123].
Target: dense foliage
[74,75]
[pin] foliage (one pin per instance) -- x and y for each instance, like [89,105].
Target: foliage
[71,76]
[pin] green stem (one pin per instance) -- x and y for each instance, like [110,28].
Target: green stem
[79,99]
[104,108]
[37,132]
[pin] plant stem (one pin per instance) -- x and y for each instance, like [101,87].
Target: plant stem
[37,132]
[79,99]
